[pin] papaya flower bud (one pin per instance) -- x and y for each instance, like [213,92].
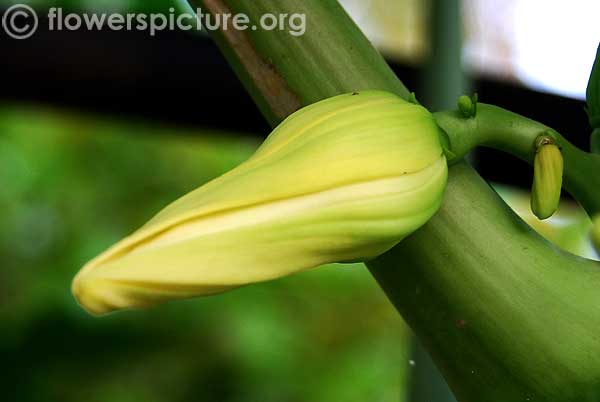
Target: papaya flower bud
[341,180]
[547,178]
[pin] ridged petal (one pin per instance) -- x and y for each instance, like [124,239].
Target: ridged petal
[342,180]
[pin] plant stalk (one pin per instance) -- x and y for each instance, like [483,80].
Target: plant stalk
[501,129]
[505,315]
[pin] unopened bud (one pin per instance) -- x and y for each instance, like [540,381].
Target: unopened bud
[467,106]
[547,179]
[344,179]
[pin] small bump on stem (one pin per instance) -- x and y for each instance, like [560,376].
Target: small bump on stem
[467,106]
[412,98]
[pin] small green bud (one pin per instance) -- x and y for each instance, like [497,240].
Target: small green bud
[344,179]
[467,106]
[547,178]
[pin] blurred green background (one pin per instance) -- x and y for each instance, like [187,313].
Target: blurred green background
[73,185]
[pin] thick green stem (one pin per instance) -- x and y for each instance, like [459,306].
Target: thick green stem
[506,316]
[595,141]
[441,80]
[498,128]
[268,62]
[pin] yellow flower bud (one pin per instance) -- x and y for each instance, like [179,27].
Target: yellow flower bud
[342,180]
[547,179]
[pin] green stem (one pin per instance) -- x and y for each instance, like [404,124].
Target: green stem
[501,129]
[505,315]
[335,56]
[508,317]
[595,141]
[441,80]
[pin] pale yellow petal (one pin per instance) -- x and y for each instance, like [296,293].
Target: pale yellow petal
[343,180]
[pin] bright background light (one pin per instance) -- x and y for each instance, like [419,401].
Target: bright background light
[556,44]
[548,45]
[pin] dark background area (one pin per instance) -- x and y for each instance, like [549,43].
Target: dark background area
[180,78]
